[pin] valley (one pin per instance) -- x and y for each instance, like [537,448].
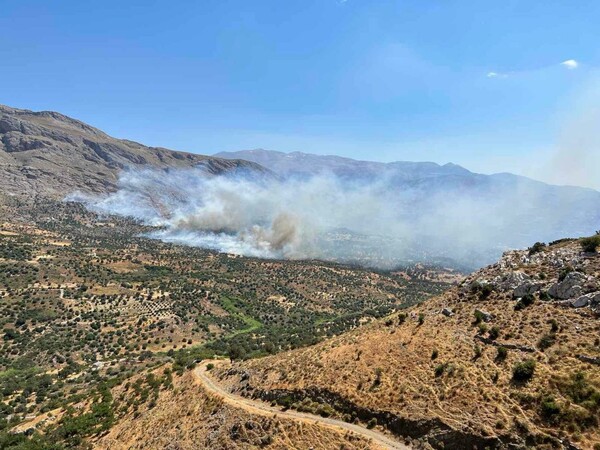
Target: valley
[117,335]
[88,302]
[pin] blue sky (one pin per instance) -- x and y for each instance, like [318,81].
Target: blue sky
[479,83]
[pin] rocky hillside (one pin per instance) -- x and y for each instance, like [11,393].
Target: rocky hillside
[52,154]
[510,358]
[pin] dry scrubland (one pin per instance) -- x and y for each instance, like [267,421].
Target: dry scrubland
[449,377]
[185,417]
[87,304]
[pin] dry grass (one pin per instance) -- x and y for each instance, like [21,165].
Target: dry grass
[189,418]
[474,394]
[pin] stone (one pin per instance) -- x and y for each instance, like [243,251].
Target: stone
[513,280]
[570,287]
[580,302]
[447,312]
[594,298]
[527,288]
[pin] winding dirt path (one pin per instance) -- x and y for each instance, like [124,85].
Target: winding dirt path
[257,407]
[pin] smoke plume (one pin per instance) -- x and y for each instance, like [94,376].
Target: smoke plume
[377,222]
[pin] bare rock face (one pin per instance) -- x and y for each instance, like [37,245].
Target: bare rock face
[51,154]
[570,287]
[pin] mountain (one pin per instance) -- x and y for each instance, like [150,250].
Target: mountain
[428,176]
[306,164]
[509,358]
[52,154]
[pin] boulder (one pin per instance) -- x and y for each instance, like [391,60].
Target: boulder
[570,287]
[513,280]
[592,299]
[526,288]
[447,312]
[580,302]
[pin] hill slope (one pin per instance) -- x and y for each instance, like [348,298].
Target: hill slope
[49,153]
[454,370]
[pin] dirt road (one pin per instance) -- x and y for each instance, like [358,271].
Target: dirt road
[261,408]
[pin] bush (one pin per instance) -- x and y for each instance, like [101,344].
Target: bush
[210,366]
[494,333]
[372,423]
[546,341]
[434,354]
[536,248]
[439,370]
[421,318]
[564,272]
[502,353]
[526,300]
[590,244]
[478,316]
[549,408]
[483,291]
[523,371]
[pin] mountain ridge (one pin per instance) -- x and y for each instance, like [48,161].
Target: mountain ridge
[268,158]
[49,153]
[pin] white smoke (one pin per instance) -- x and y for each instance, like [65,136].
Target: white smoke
[376,223]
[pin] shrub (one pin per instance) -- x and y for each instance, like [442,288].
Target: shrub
[546,341]
[536,248]
[434,354]
[590,244]
[478,316]
[502,353]
[549,408]
[478,352]
[372,423]
[564,272]
[524,370]
[210,366]
[483,291]
[494,333]
[524,302]
[421,318]
[439,370]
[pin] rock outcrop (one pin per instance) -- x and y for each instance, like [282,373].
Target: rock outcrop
[51,154]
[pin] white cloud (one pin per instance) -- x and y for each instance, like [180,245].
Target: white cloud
[570,64]
[496,75]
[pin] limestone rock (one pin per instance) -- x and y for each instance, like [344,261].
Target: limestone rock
[526,288]
[570,287]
